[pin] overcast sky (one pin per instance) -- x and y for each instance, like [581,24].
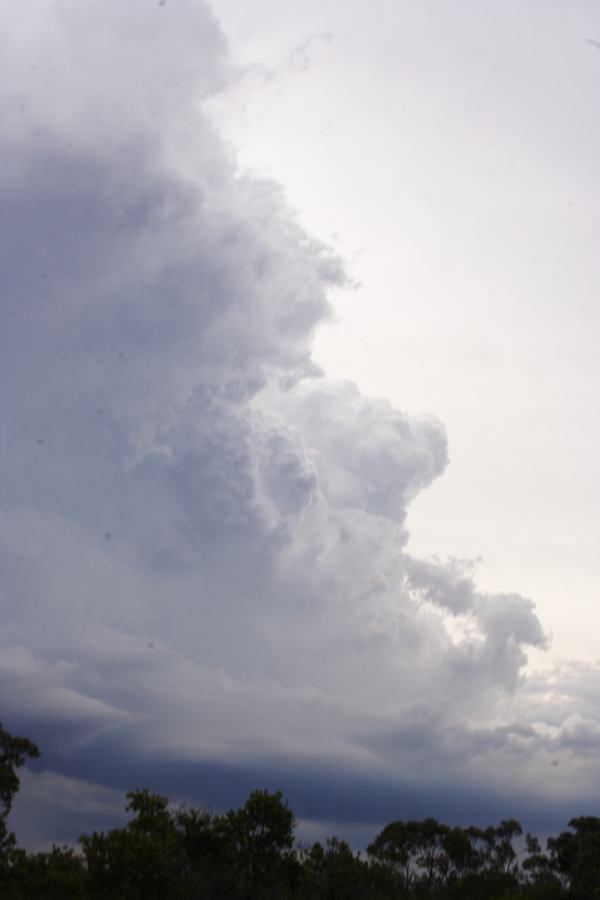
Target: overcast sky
[299,380]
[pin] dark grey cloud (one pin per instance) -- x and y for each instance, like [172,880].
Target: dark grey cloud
[204,580]
[324,795]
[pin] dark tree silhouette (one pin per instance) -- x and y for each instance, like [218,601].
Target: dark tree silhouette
[14,751]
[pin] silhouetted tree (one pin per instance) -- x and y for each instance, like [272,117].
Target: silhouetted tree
[259,838]
[575,857]
[14,751]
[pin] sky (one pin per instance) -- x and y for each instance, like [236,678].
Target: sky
[299,408]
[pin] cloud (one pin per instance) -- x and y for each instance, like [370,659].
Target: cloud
[299,57]
[202,537]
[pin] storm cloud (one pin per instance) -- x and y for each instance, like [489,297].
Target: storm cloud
[203,569]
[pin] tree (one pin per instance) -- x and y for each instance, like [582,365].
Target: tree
[140,861]
[417,853]
[206,868]
[395,848]
[541,881]
[54,875]
[14,751]
[575,857]
[431,853]
[259,837]
[335,873]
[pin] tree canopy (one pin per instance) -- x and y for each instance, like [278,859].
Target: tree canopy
[14,751]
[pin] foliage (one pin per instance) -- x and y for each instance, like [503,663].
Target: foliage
[14,751]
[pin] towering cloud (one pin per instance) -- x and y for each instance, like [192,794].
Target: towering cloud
[202,538]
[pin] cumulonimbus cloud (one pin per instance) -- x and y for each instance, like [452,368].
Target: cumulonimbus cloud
[202,537]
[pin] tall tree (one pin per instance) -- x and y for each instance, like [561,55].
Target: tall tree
[575,856]
[260,837]
[14,751]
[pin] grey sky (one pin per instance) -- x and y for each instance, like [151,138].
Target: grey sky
[206,575]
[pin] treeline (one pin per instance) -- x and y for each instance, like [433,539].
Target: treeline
[167,853]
